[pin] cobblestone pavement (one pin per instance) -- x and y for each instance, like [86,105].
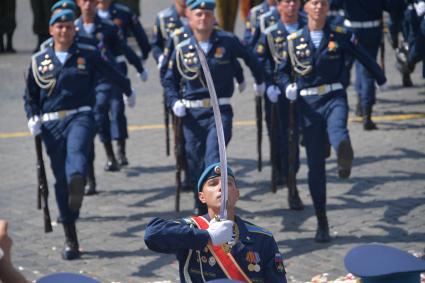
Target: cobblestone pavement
[383,201]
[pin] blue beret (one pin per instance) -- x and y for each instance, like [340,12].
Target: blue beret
[201,4]
[66,278]
[375,263]
[62,16]
[210,172]
[64,4]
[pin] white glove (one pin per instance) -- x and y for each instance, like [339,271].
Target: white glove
[259,89]
[273,93]
[220,231]
[160,59]
[420,8]
[179,109]
[291,91]
[130,101]
[144,75]
[34,125]
[241,86]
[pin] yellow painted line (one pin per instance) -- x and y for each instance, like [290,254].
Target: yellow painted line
[135,128]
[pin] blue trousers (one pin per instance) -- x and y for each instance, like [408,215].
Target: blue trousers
[370,39]
[200,135]
[68,142]
[321,116]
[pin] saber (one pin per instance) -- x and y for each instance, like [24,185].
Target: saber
[219,128]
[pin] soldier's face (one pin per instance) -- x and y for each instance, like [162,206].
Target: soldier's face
[317,9]
[289,8]
[211,193]
[63,33]
[202,20]
[87,7]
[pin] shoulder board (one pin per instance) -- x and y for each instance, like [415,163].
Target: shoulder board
[339,29]
[270,29]
[294,35]
[256,229]
[187,221]
[255,9]
[107,22]
[267,14]
[222,32]
[39,54]
[164,13]
[86,46]
[122,7]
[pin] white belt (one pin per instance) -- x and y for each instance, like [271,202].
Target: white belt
[336,13]
[63,113]
[321,90]
[205,103]
[368,24]
[120,59]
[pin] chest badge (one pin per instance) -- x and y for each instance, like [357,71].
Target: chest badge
[81,63]
[332,46]
[219,52]
[253,259]
[118,22]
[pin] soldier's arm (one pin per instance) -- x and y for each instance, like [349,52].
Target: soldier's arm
[249,59]
[274,269]
[157,41]
[262,52]
[168,236]
[168,51]
[105,69]
[365,59]
[31,96]
[248,32]
[127,51]
[171,81]
[140,36]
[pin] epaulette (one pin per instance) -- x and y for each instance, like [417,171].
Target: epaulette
[48,42]
[256,229]
[122,7]
[183,43]
[339,29]
[270,29]
[187,221]
[164,13]
[38,54]
[295,34]
[86,46]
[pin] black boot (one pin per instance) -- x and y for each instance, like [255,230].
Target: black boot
[71,248]
[111,163]
[122,159]
[1,44]
[344,159]
[294,200]
[407,81]
[359,110]
[9,46]
[76,192]
[322,233]
[368,124]
[91,181]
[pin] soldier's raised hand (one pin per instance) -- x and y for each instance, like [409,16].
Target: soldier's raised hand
[220,231]
[34,125]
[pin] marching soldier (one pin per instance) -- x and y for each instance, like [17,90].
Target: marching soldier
[60,110]
[253,20]
[127,21]
[221,49]
[200,243]
[165,23]
[271,53]
[316,56]
[7,25]
[109,110]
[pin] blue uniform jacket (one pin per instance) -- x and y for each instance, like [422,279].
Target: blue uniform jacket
[165,23]
[180,35]
[184,67]
[327,62]
[184,239]
[129,22]
[252,20]
[271,49]
[264,21]
[110,38]
[52,86]
[364,10]
[415,29]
